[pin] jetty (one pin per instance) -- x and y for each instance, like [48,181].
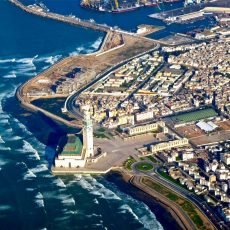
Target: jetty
[67,19]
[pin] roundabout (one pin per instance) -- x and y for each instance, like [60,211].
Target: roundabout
[144,166]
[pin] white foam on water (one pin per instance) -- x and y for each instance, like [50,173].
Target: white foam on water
[95,188]
[3,162]
[50,60]
[59,183]
[28,175]
[12,138]
[30,189]
[27,147]
[4,148]
[139,210]
[95,45]
[39,168]
[48,176]
[5,207]
[50,195]
[22,127]
[65,199]
[1,140]
[39,200]
[11,74]
[68,201]
[4,121]
[71,212]
[80,49]
[95,201]
[8,60]
[126,208]
[94,215]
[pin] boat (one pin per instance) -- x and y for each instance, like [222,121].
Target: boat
[152,3]
[127,9]
[171,1]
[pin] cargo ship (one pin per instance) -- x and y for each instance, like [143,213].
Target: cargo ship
[125,9]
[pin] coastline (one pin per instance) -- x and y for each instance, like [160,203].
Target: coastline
[169,220]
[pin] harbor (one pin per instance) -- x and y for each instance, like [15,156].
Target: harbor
[191,13]
[119,6]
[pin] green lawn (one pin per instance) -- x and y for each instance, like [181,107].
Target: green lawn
[195,115]
[128,163]
[166,176]
[144,166]
[151,158]
[186,205]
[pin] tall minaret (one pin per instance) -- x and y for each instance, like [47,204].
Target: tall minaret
[88,132]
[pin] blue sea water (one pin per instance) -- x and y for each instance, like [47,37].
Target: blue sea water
[31,197]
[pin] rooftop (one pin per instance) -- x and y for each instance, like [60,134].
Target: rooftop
[73,146]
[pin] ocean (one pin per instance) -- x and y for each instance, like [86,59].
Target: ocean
[30,196]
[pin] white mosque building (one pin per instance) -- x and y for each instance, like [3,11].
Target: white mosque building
[75,151]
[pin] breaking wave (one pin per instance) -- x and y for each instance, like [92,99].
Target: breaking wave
[88,48]
[39,200]
[27,147]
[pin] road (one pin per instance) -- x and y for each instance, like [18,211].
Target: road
[70,105]
[200,203]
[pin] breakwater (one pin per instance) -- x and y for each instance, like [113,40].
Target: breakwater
[62,18]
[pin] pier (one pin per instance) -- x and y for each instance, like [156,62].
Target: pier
[62,18]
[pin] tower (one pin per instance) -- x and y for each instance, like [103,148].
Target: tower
[88,132]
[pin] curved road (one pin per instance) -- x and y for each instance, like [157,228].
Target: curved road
[70,105]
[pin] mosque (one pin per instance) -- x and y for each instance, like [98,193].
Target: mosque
[76,151]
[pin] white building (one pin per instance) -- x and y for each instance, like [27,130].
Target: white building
[187,156]
[143,116]
[169,145]
[225,157]
[75,153]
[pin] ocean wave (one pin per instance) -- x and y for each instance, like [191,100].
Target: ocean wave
[1,140]
[11,74]
[3,116]
[30,189]
[95,45]
[95,201]
[9,130]
[50,60]
[79,50]
[39,200]
[39,168]
[27,147]
[65,199]
[5,207]
[89,48]
[28,175]
[139,210]
[59,183]
[68,201]
[12,138]
[3,162]
[21,126]
[4,121]
[95,188]
[8,60]
[5,148]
